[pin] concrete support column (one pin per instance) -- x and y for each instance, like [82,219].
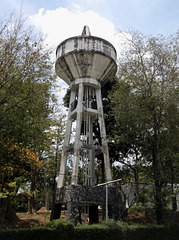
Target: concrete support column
[79,110]
[66,144]
[103,136]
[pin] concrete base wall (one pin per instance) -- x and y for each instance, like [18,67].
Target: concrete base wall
[74,196]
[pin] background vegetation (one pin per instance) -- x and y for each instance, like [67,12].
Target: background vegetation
[144,106]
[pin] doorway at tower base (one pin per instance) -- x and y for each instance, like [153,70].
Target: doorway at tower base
[82,203]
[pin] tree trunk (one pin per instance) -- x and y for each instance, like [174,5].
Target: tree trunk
[7,213]
[158,175]
[29,210]
[174,201]
[46,197]
[3,210]
[31,199]
[136,183]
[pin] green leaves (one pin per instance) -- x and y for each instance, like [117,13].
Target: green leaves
[26,102]
[146,91]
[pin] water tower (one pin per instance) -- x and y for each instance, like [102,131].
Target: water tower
[85,63]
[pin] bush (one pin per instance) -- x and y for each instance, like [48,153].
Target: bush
[122,231]
[28,234]
[103,225]
[60,225]
[64,230]
[152,232]
[110,224]
[63,227]
[96,233]
[106,230]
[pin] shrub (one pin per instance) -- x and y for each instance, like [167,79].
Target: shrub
[109,224]
[152,232]
[64,230]
[106,230]
[28,234]
[60,225]
[63,227]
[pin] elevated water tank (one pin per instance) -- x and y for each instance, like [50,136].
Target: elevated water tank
[85,56]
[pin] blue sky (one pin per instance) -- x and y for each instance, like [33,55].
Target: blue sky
[147,16]
[60,19]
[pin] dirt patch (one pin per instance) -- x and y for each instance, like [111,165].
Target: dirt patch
[24,220]
[33,220]
[149,217]
[140,218]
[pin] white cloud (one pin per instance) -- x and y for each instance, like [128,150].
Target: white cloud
[62,23]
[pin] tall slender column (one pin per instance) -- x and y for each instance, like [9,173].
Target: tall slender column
[103,136]
[79,110]
[65,144]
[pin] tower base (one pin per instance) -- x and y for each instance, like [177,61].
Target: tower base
[82,203]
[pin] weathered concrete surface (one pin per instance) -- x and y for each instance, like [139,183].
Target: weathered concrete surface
[85,56]
[75,196]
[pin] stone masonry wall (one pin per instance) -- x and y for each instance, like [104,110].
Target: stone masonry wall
[74,196]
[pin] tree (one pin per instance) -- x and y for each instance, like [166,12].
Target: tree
[170,146]
[18,164]
[26,101]
[147,88]
[51,158]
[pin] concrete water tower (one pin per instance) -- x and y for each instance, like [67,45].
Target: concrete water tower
[85,63]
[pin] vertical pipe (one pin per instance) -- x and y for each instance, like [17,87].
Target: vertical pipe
[91,153]
[106,202]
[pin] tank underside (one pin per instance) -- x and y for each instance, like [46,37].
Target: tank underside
[85,64]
